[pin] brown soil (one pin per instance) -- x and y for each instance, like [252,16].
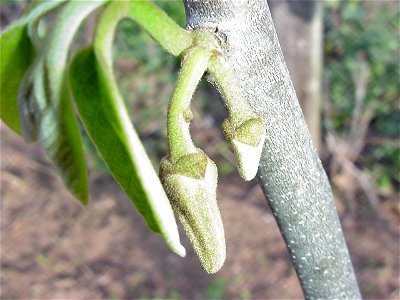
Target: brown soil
[53,248]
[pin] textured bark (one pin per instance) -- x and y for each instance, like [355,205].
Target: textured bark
[299,29]
[290,171]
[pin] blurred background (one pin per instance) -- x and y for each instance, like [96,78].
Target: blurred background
[343,57]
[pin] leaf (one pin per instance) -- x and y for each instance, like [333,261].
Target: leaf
[44,100]
[41,6]
[60,135]
[17,53]
[106,120]
[47,113]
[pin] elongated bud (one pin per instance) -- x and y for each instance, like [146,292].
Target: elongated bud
[247,141]
[191,185]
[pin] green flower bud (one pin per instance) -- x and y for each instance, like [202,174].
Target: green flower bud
[191,184]
[247,141]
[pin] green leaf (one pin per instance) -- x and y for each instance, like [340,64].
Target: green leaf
[45,104]
[34,13]
[60,135]
[106,120]
[17,54]
[41,7]
[47,113]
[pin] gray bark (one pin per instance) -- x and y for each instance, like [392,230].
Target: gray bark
[290,172]
[299,29]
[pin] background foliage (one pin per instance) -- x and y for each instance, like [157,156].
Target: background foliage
[358,32]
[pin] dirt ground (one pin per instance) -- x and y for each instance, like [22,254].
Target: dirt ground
[53,248]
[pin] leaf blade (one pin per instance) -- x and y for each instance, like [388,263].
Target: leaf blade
[18,49]
[60,136]
[45,103]
[104,116]
[17,52]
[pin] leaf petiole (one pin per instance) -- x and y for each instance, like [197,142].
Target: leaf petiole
[179,114]
[160,26]
[243,128]
[195,63]
[239,110]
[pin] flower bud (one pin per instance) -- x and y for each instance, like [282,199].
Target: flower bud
[191,184]
[247,141]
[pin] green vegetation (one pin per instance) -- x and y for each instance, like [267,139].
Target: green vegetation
[216,289]
[361,39]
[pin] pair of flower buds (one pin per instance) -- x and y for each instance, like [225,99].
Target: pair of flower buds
[188,175]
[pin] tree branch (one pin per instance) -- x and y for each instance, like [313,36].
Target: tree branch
[290,171]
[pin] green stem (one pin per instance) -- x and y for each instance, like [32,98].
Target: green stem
[151,18]
[160,26]
[105,30]
[179,115]
[239,110]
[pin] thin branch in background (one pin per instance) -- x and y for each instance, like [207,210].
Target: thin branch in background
[346,150]
[360,76]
